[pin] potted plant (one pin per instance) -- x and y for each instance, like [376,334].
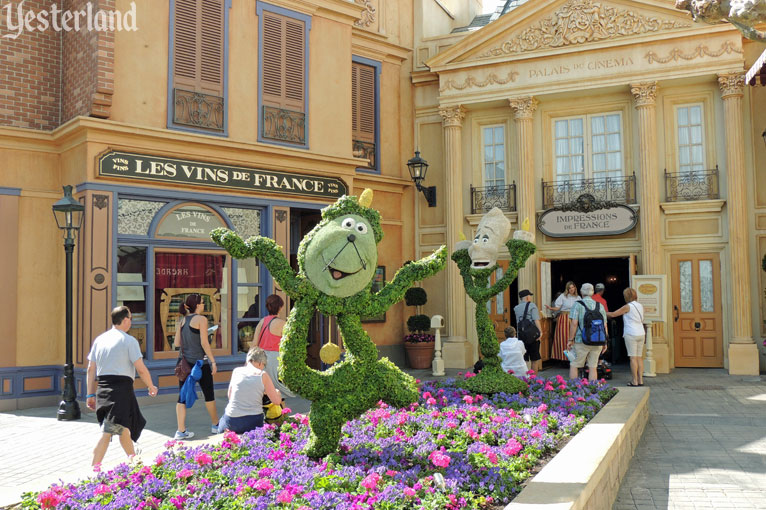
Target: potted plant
[419,344]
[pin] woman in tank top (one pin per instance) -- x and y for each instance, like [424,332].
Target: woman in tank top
[633,332]
[191,338]
[267,336]
[248,384]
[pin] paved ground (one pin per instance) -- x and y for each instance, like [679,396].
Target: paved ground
[704,446]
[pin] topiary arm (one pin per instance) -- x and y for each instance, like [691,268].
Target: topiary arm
[404,278]
[463,261]
[520,252]
[293,371]
[266,251]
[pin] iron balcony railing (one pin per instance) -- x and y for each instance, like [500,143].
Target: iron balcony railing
[608,189]
[692,185]
[365,150]
[198,110]
[283,125]
[485,198]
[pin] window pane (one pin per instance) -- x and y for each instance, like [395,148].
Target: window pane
[597,125]
[189,221]
[613,161]
[562,147]
[131,264]
[697,154]
[687,291]
[487,135]
[599,143]
[247,222]
[696,114]
[613,142]
[500,135]
[139,333]
[683,116]
[696,134]
[562,165]
[683,136]
[248,271]
[706,286]
[487,153]
[599,162]
[578,147]
[578,164]
[576,128]
[135,216]
[613,123]
[561,129]
[499,153]
[683,153]
[134,297]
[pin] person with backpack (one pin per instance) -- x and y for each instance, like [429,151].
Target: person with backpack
[634,333]
[587,333]
[528,327]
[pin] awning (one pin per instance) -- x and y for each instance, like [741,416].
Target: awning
[758,69]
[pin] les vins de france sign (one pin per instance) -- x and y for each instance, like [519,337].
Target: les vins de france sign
[179,171]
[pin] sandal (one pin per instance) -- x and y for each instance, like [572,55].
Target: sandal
[633,385]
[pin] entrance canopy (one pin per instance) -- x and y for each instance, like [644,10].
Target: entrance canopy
[758,69]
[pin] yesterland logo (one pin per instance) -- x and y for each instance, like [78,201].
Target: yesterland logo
[16,18]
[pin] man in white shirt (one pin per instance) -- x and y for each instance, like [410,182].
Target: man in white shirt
[113,361]
[512,352]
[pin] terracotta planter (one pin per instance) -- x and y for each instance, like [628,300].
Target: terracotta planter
[419,355]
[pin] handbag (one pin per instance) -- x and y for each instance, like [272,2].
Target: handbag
[183,367]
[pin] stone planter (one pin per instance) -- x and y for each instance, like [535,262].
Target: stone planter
[420,354]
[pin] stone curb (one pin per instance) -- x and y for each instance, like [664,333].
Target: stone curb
[586,473]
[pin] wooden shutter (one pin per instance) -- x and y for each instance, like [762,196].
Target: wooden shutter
[283,70]
[363,102]
[198,44]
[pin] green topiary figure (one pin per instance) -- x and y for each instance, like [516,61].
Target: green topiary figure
[337,262]
[477,260]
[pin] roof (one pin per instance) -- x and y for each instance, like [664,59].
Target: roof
[483,20]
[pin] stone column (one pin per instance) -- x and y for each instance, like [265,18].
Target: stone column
[524,110]
[456,356]
[645,100]
[743,353]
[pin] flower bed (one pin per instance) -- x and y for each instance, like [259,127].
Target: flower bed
[451,450]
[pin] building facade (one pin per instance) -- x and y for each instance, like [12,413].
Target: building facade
[190,115]
[625,133]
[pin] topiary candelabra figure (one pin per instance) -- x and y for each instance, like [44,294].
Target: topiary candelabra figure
[477,260]
[336,263]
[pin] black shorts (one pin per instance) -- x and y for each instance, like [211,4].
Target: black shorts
[205,382]
[533,351]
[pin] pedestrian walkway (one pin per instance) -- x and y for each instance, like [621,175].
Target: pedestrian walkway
[704,445]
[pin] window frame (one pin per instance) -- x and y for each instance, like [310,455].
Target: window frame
[588,172]
[482,127]
[260,7]
[676,125]
[377,66]
[227,4]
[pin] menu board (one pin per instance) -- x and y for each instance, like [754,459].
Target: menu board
[652,291]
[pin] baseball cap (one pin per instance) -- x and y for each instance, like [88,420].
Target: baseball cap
[599,286]
[525,293]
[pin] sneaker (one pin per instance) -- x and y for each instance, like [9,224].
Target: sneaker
[183,435]
[214,429]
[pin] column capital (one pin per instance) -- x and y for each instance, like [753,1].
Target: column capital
[644,94]
[524,107]
[731,84]
[452,116]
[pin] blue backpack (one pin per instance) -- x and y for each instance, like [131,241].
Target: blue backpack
[593,330]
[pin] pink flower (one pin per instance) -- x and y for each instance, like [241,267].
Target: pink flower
[286,410]
[431,401]
[178,501]
[468,399]
[203,459]
[542,408]
[439,458]
[409,492]
[512,447]
[492,456]
[370,482]
[262,484]
[468,375]
[391,472]
[97,468]
[536,433]
[284,497]
[427,394]
[231,437]
[184,473]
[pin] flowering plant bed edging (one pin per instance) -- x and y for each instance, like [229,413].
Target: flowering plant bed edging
[450,450]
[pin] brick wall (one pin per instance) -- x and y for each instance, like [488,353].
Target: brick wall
[48,77]
[30,82]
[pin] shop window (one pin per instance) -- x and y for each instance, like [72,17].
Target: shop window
[283,45]
[588,147]
[131,289]
[189,222]
[691,146]
[247,222]
[197,95]
[135,216]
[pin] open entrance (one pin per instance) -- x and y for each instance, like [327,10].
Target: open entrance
[614,273]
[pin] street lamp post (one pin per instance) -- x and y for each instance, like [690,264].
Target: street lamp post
[68,213]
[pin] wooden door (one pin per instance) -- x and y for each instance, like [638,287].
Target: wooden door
[547,323]
[500,305]
[697,328]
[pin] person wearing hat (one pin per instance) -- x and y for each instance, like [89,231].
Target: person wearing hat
[532,313]
[598,295]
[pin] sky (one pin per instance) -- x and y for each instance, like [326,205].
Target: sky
[491,5]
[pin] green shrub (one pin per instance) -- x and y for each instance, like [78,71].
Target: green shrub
[415,296]
[418,323]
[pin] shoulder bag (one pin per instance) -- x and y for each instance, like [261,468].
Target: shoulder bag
[183,368]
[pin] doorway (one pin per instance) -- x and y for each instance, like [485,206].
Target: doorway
[697,328]
[500,306]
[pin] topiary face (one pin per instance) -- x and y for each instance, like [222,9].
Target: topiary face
[341,257]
